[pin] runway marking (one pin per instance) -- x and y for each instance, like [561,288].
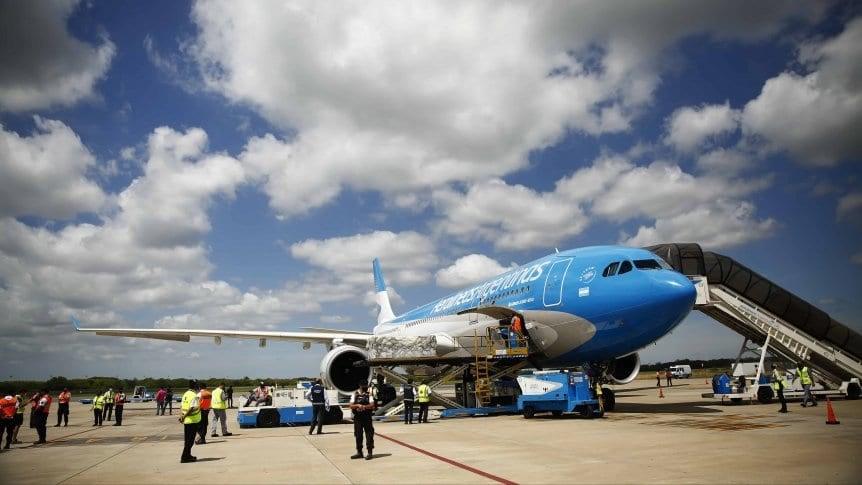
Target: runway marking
[449,461]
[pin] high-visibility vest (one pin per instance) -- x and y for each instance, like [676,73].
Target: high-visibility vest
[7,407]
[206,400]
[20,403]
[777,380]
[218,399]
[47,407]
[109,397]
[98,401]
[64,397]
[192,415]
[804,378]
[120,399]
[424,393]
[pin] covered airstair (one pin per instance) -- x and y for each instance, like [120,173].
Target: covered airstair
[757,308]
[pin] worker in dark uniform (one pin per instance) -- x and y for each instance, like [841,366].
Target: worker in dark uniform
[319,405]
[362,406]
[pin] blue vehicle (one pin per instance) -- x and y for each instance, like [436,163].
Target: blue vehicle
[557,392]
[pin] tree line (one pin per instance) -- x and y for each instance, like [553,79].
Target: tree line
[96,384]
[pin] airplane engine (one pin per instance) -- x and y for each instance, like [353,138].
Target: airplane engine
[624,369]
[338,371]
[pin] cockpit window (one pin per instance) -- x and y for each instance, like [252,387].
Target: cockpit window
[647,264]
[611,269]
[625,267]
[664,264]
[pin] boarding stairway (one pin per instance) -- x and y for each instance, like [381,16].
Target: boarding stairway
[757,308]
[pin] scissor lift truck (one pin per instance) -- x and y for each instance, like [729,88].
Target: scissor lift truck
[289,407]
[557,392]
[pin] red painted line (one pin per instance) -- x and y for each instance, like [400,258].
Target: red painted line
[447,460]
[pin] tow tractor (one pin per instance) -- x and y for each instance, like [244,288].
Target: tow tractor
[289,407]
[557,392]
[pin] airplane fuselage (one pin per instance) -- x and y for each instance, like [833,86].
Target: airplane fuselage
[580,305]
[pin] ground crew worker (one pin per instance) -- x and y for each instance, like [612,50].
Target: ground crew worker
[229,394]
[108,404]
[657,378]
[219,406]
[261,394]
[190,416]
[119,402]
[778,384]
[63,407]
[98,407]
[424,400]
[206,398]
[409,393]
[363,407]
[43,407]
[169,401]
[599,396]
[19,415]
[319,405]
[34,400]
[805,379]
[8,408]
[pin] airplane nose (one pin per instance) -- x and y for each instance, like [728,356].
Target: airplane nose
[675,288]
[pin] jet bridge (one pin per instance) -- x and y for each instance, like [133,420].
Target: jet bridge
[755,307]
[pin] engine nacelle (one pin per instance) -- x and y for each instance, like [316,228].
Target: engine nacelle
[338,371]
[624,369]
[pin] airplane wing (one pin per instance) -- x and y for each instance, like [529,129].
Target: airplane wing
[324,336]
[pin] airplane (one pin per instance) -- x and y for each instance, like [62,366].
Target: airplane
[593,307]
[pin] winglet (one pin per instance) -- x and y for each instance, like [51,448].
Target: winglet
[382,297]
[75,323]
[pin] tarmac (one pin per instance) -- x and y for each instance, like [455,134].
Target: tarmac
[680,438]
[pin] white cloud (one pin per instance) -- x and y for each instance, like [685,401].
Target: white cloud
[45,174]
[816,116]
[405,258]
[43,65]
[398,97]
[468,270]
[512,216]
[850,208]
[689,129]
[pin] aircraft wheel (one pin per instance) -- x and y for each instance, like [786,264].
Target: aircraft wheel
[608,399]
[765,395]
[853,391]
[556,414]
[268,418]
[529,412]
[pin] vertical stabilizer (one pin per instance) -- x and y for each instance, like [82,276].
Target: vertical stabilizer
[381,296]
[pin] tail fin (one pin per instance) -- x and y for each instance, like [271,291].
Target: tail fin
[381,296]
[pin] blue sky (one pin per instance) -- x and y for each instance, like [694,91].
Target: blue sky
[179,164]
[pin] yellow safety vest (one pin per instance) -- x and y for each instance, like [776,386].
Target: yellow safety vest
[804,378]
[218,401]
[777,380]
[195,415]
[424,393]
[20,399]
[98,401]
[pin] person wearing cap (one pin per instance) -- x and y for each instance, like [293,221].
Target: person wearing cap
[319,403]
[362,406]
[108,410]
[43,407]
[63,407]
[119,403]
[190,417]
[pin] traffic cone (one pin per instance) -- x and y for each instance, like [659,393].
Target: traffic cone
[660,393]
[830,415]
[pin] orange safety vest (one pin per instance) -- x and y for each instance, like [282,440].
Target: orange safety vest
[64,397]
[206,400]
[120,399]
[47,407]
[7,407]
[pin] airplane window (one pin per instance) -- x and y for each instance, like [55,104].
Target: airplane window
[611,269]
[664,264]
[625,267]
[646,264]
